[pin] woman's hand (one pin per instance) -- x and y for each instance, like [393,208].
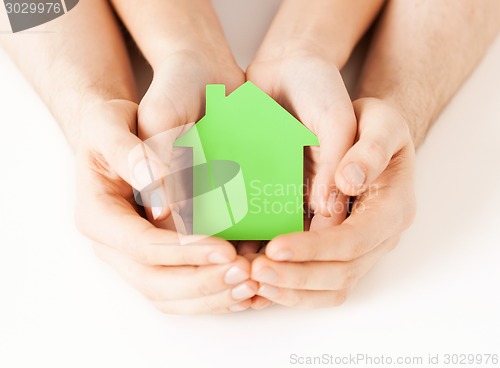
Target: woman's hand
[318,268]
[176,97]
[310,86]
[180,274]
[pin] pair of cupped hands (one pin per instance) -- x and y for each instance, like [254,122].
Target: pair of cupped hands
[365,152]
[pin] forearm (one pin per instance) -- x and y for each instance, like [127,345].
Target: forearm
[74,62]
[330,28]
[423,51]
[163,28]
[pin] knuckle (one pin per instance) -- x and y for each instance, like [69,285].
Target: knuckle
[140,252]
[316,242]
[355,247]
[205,288]
[400,125]
[348,274]
[314,249]
[293,299]
[301,280]
[376,152]
[211,304]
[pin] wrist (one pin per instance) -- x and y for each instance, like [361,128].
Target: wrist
[388,107]
[76,131]
[163,28]
[303,45]
[327,28]
[197,56]
[415,121]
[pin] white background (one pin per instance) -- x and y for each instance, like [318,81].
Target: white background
[436,293]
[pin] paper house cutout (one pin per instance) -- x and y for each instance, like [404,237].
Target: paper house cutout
[260,194]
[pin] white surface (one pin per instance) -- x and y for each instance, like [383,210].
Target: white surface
[436,293]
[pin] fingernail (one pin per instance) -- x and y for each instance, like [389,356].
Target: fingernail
[282,255]
[156,205]
[237,308]
[143,174]
[235,275]
[218,258]
[354,174]
[242,291]
[267,275]
[156,211]
[268,291]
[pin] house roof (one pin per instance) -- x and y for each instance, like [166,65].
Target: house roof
[250,109]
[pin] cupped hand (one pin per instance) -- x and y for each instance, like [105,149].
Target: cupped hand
[178,273]
[176,98]
[310,87]
[319,267]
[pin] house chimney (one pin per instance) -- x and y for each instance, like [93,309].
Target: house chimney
[216,93]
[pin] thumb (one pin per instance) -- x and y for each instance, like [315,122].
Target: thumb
[382,132]
[336,132]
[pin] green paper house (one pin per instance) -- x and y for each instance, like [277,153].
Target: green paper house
[248,157]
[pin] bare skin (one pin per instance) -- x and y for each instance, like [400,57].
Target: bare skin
[420,55]
[411,71]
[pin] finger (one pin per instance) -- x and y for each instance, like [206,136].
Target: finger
[317,275]
[245,247]
[303,298]
[171,283]
[324,106]
[378,215]
[334,123]
[111,220]
[319,222]
[259,303]
[223,302]
[382,133]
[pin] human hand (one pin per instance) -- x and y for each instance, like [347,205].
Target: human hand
[318,268]
[176,97]
[179,274]
[310,87]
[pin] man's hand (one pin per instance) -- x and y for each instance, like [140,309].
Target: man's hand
[318,268]
[180,274]
[185,45]
[298,65]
